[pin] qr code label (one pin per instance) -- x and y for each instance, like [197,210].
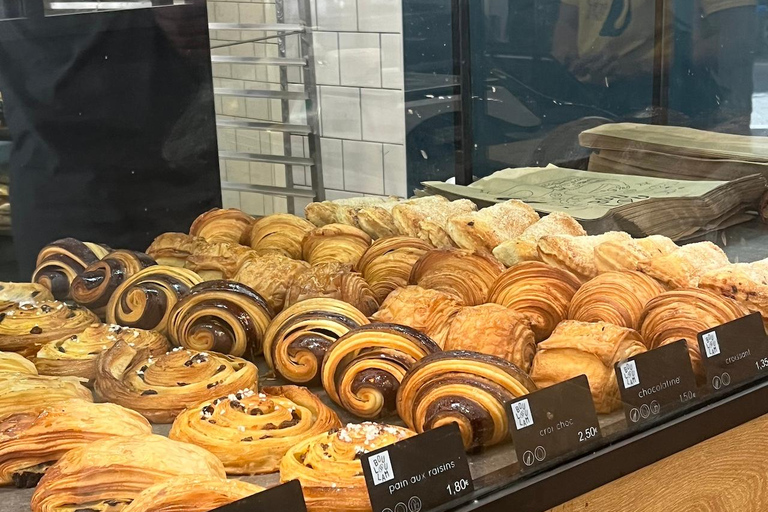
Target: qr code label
[629,374]
[522,414]
[381,468]
[711,346]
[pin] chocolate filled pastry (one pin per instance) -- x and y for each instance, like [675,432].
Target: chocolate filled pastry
[219,260]
[332,281]
[173,249]
[27,327]
[282,233]
[537,291]
[484,230]
[23,392]
[161,387]
[270,276]
[494,330]
[298,338]
[626,254]
[13,362]
[335,243]
[525,246]
[466,275]
[462,387]
[220,316]
[77,355]
[250,432]
[427,311]
[427,218]
[191,494]
[24,293]
[106,475]
[329,468]
[684,267]
[576,254]
[145,299]
[746,283]
[592,349]
[96,284]
[60,262]
[617,298]
[362,371]
[32,441]
[219,225]
[387,264]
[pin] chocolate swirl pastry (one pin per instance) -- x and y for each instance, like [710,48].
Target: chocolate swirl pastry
[27,327]
[270,276]
[539,292]
[173,249]
[161,387]
[145,299]
[218,225]
[221,316]
[332,281]
[466,275]
[24,293]
[329,469]
[32,441]
[96,284]
[219,260]
[22,392]
[191,494]
[362,370]
[387,264]
[468,388]
[250,432]
[335,243]
[106,475]
[13,362]
[60,262]
[298,338]
[282,233]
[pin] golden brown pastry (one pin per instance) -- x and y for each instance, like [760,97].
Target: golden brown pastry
[161,387]
[468,388]
[23,392]
[362,371]
[746,283]
[31,441]
[250,432]
[626,254]
[592,349]
[466,275]
[576,254]
[24,293]
[684,267]
[329,469]
[108,474]
[377,221]
[617,298]
[173,249]
[191,494]
[387,264]
[221,316]
[525,246]
[298,338]
[218,225]
[270,275]
[13,362]
[484,230]
[61,261]
[335,243]
[282,233]
[427,218]
[341,211]
[333,281]
[221,260]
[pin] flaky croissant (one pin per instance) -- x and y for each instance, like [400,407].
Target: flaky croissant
[333,281]
[684,267]
[270,275]
[282,233]
[23,392]
[218,225]
[191,494]
[173,249]
[219,260]
[24,293]
[335,243]
[13,362]
[746,283]
[525,246]
[59,262]
[387,264]
[484,230]
[626,254]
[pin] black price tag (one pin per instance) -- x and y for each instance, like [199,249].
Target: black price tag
[734,353]
[656,382]
[285,498]
[419,473]
[553,422]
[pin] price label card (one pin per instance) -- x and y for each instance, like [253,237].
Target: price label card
[656,382]
[285,498]
[553,422]
[420,473]
[734,353]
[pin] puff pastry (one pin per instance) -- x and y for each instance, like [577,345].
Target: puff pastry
[525,246]
[387,264]
[24,293]
[270,275]
[218,225]
[684,267]
[13,362]
[59,262]
[23,392]
[191,494]
[173,249]
[625,255]
[250,432]
[218,260]
[341,211]
[428,217]
[282,233]
[335,243]
[746,283]
[332,281]
[576,254]
[377,220]
[482,231]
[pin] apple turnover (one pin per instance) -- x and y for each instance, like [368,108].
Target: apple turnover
[746,283]
[24,392]
[335,243]
[60,262]
[332,281]
[173,249]
[387,264]
[270,275]
[484,230]
[625,255]
[220,260]
[13,362]
[684,267]
[282,233]
[576,254]
[219,225]
[191,494]
[525,246]
[427,218]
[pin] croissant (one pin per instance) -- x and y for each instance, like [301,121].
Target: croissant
[494,330]
[525,246]
[23,293]
[341,211]
[23,392]
[625,255]
[466,275]
[251,432]
[576,254]
[332,281]
[59,262]
[329,469]
[363,369]
[217,225]
[746,283]
[191,494]
[468,388]
[683,314]
[282,233]
[173,249]
[32,441]
[145,299]
[13,362]
[684,267]
[482,231]
[617,298]
[428,217]
[592,349]
[537,291]
[387,264]
[335,243]
[218,260]
[160,388]
[270,276]
[108,474]
[297,339]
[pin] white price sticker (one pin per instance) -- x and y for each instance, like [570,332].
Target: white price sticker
[522,414]
[629,374]
[711,346]
[381,468]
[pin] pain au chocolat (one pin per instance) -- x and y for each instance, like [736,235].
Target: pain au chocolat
[60,262]
[24,392]
[220,260]
[332,281]
[270,275]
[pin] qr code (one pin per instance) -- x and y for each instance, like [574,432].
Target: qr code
[711,346]
[381,468]
[522,413]
[629,374]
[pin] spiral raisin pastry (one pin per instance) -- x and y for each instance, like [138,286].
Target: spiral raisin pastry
[160,388]
[24,293]
[282,233]
[218,225]
[468,388]
[23,392]
[13,362]
[466,275]
[270,276]
[221,316]
[96,284]
[145,299]
[31,441]
[191,494]
[60,262]
[387,264]
[329,469]
[220,260]
[106,475]
[298,338]
[335,243]
[362,371]
[250,432]
[332,281]
[539,292]
[173,249]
